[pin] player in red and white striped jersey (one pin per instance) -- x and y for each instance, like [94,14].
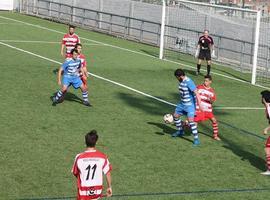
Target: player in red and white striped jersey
[208,97]
[69,41]
[89,167]
[266,102]
[84,74]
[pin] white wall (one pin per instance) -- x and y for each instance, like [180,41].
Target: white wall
[6,4]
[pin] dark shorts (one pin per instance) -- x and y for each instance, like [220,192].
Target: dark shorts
[205,54]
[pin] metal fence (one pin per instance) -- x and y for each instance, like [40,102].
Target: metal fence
[142,22]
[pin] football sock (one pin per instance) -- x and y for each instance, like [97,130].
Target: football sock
[208,69]
[194,130]
[178,123]
[85,96]
[215,129]
[58,95]
[198,67]
[268,162]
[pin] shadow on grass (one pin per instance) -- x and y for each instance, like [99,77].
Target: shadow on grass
[70,97]
[244,155]
[145,104]
[189,60]
[236,148]
[166,129]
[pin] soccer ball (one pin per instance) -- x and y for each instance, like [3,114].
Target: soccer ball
[168,118]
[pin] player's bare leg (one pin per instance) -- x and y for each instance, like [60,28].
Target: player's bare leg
[85,95]
[267,152]
[179,125]
[215,128]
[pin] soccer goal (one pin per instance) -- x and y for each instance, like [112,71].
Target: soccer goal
[240,35]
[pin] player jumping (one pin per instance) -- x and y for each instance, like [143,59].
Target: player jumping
[266,101]
[71,70]
[186,106]
[69,41]
[208,97]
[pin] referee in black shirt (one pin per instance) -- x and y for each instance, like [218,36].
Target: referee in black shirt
[204,51]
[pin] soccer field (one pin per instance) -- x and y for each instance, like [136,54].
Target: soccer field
[38,141]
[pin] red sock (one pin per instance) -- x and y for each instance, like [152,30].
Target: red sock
[215,129]
[268,162]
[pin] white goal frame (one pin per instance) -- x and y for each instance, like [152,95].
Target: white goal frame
[256,39]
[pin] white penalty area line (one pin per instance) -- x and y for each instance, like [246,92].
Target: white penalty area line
[132,51]
[119,84]
[45,42]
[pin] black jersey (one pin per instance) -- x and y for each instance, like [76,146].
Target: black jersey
[205,42]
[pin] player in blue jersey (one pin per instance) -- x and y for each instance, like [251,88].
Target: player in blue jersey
[71,70]
[186,106]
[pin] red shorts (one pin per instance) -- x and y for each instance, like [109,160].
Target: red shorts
[203,116]
[267,144]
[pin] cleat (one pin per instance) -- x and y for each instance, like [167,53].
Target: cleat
[267,173]
[216,138]
[196,142]
[197,73]
[178,133]
[86,103]
[54,100]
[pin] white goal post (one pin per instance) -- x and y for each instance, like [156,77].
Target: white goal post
[179,27]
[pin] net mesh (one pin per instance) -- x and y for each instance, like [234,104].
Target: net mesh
[232,31]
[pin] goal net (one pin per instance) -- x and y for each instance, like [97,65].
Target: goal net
[233,31]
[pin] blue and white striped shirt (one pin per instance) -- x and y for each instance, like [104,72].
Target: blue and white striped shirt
[71,67]
[186,89]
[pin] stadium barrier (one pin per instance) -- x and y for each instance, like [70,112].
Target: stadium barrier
[235,30]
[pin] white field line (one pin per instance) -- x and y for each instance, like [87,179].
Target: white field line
[238,108]
[7,23]
[132,51]
[44,42]
[119,84]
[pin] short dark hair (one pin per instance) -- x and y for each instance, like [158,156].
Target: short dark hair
[208,77]
[266,95]
[78,44]
[73,50]
[206,30]
[91,138]
[179,72]
[71,26]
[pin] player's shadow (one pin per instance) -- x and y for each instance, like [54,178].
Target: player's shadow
[166,129]
[145,104]
[70,97]
[253,159]
[237,149]
[73,97]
